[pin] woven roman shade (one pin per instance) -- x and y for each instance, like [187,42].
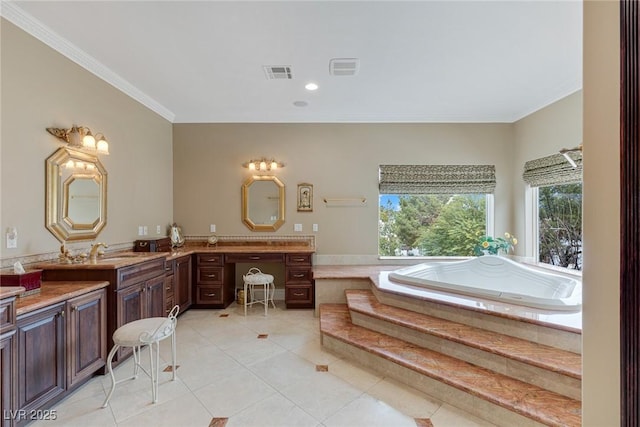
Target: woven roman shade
[437,179]
[553,170]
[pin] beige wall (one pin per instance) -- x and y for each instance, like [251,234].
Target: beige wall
[541,134]
[340,160]
[601,217]
[41,88]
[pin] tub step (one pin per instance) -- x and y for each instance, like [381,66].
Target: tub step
[495,397]
[549,367]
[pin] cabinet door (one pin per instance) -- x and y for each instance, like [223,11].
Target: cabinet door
[182,285]
[131,304]
[154,294]
[41,357]
[9,377]
[87,335]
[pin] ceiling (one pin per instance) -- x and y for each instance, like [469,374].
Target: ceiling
[419,61]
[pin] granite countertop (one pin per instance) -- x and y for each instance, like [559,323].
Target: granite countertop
[10,291]
[55,292]
[112,260]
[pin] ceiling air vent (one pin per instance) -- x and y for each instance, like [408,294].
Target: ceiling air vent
[344,66]
[277,72]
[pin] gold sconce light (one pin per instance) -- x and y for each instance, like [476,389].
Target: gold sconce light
[81,137]
[263,164]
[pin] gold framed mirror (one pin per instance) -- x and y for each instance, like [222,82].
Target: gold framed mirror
[76,195]
[263,203]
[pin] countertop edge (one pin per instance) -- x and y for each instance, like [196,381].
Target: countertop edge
[55,292]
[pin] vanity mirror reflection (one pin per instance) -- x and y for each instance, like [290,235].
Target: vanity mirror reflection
[263,203]
[76,195]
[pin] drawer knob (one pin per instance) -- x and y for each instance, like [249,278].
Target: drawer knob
[212,260]
[299,275]
[211,275]
[254,257]
[298,259]
[143,244]
[298,294]
[211,295]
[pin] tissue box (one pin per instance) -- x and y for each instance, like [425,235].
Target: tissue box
[30,280]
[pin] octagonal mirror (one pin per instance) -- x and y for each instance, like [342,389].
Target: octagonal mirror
[263,203]
[76,195]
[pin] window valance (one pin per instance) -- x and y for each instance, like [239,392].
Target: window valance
[553,170]
[437,179]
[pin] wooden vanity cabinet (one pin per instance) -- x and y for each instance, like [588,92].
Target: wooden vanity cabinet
[86,335]
[8,361]
[59,346]
[298,283]
[135,292]
[183,295]
[41,357]
[214,286]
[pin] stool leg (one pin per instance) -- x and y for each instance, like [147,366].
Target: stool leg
[245,298]
[136,361]
[113,377]
[154,399]
[272,293]
[173,354]
[265,295]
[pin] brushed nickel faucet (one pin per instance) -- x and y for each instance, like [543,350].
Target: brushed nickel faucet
[93,254]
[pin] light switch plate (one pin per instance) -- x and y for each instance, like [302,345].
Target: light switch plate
[212,228]
[315,227]
[297,227]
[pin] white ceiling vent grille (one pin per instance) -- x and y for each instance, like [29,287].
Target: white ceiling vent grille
[344,66]
[278,72]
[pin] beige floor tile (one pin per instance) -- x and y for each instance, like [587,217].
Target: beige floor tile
[449,416]
[273,411]
[405,399]
[183,411]
[367,411]
[80,413]
[359,377]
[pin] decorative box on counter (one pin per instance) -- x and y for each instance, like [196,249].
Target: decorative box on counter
[162,244]
[30,281]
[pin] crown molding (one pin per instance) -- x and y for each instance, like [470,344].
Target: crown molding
[14,14]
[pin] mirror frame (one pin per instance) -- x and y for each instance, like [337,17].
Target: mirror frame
[245,204]
[57,205]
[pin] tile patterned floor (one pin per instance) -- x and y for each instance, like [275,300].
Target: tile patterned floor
[229,377]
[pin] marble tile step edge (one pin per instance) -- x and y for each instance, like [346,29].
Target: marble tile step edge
[530,401]
[528,352]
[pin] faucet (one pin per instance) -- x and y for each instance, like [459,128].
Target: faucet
[93,254]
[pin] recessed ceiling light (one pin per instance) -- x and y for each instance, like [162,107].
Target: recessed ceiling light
[311,86]
[300,103]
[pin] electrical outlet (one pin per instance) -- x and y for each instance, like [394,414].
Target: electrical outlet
[145,230]
[297,227]
[158,229]
[212,228]
[315,227]
[12,238]
[140,230]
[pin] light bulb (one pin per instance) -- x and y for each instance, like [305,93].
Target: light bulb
[274,165]
[263,165]
[102,145]
[88,140]
[252,166]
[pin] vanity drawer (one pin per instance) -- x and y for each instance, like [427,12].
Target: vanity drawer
[140,272]
[209,259]
[299,296]
[299,275]
[7,315]
[298,259]
[249,258]
[209,295]
[210,275]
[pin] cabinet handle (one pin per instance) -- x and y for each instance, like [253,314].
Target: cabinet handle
[168,288]
[298,294]
[254,257]
[212,275]
[211,295]
[212,260]
[299,275]
[298,259]
[143,244]
[62,313]
[74,308]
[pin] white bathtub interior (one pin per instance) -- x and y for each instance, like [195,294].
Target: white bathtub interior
[496,278]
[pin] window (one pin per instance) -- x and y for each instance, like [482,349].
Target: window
[557,196]
[433,210]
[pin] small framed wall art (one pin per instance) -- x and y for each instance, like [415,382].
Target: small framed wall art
[305,197]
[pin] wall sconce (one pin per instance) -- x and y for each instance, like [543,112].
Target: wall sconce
[565,152]
[81,137]
[263,164]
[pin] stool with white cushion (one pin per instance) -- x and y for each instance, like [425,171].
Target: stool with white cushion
[149,331]
[254,278]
